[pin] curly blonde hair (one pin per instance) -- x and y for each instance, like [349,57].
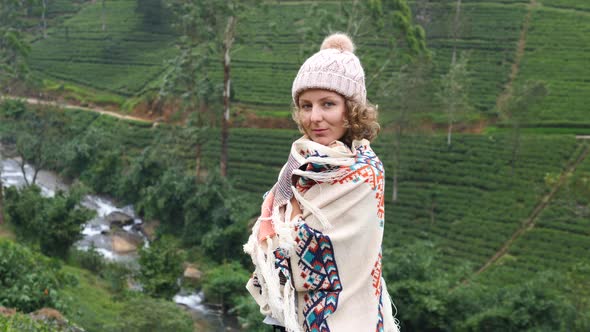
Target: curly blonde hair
[361,121]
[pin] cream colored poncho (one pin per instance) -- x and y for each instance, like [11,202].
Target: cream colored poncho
[321,271]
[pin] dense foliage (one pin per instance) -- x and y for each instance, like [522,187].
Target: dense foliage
[146,314]
[467,199]
[24,323]
[161,266]
[54,223]
[433,299]
[28,280]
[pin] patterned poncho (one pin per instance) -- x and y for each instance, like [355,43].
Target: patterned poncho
[321,270]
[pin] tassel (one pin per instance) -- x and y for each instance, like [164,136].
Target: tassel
[271,278]
[291,323]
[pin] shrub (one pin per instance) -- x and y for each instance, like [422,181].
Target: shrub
[24,323]
[52,223]
[12,108]
[28,280]
[225,283]
[146,314]
[90,259]
[161,266]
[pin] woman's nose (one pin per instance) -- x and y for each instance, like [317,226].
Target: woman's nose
[316,114]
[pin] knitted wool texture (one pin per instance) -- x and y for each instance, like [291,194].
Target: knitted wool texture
[335,68]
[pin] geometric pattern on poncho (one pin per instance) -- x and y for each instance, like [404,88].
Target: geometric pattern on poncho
[380,327]
[376,275]
[282,264]
[320,273]
[369,168]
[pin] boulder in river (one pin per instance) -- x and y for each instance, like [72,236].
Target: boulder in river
[191,272]
[124,243]
[119,219]
[149,229]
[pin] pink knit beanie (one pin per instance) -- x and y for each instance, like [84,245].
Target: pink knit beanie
[335,68]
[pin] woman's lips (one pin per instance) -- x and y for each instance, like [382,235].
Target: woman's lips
[319,131]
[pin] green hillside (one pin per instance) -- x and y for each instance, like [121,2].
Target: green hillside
[467,198]
[556,52]
[128,56]
[560,236]
[124,58]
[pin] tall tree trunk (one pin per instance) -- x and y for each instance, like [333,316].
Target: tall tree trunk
[199,145]
[394,192]
[103,16]
[450,127]
[456,31]
[227,45]
[397,161]
[43,19]
[454,61]
[23,170]
[1,196]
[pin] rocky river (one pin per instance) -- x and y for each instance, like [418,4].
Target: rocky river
[116,232]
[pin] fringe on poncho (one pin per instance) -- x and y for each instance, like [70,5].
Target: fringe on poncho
[322,270]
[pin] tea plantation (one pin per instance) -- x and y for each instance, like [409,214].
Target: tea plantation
[467,198]
[115,49]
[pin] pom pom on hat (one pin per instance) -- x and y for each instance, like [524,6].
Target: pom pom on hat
[334,68]
[339,41]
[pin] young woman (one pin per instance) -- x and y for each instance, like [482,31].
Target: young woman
[317,244]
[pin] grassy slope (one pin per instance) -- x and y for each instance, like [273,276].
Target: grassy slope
[557,53]
[465,198]
[123,59]
[129,55]
[91,304]
[560,238]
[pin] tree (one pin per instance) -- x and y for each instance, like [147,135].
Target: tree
[160,267]
[453,92]
[43,18]
[224,283]
[14,48]
[198,47]
[103,15]
[54,224]
[387,22]
[145,314]
[516,111]
[152,11]
[37,139]
[1,193]
[409,86]
[409,44]
[456,29]
[29,280]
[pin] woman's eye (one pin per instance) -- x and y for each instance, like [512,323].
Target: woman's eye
[329,104]
[305,107]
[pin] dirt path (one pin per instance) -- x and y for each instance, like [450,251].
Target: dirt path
[507,92]
[35,101]
[530,221]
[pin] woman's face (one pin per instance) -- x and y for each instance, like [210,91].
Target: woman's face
[322,114]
